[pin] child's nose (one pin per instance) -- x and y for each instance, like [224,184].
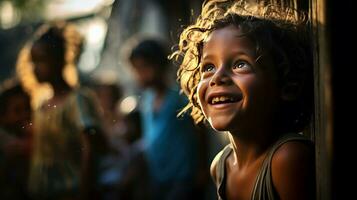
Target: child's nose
[221,77]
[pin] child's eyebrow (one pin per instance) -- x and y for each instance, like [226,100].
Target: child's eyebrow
[237,53]
[241,35]
[207,57]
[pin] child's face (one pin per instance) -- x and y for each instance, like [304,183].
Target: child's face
[145,72]
[17,114]
[235,91]
[45,64]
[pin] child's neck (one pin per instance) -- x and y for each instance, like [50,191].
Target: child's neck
[249,149]
[160,91]
[61,88]
[160,88]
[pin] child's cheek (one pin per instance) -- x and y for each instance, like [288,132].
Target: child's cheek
[201,93]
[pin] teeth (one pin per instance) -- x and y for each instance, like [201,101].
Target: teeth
[214,100]
[222,99]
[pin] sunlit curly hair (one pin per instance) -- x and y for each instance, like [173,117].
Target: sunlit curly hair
[66,42]
[275,29]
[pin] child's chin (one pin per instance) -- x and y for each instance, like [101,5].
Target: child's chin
[222,122]
[219,127]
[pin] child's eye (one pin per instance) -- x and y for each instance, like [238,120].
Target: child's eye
[242,66]
[208,68]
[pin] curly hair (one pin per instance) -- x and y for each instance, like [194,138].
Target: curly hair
[280,31]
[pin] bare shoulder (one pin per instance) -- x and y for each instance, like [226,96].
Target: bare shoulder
[213,168]
[293,170]
[292,151]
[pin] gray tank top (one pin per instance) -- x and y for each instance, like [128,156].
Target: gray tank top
[263,187]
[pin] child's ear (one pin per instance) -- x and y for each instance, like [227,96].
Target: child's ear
[290,91]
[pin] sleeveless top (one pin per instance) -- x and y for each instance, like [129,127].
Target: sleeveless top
[263,186]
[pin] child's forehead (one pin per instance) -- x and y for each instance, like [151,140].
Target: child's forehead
[230,30]
[229,38]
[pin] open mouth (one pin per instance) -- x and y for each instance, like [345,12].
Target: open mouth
[223,99]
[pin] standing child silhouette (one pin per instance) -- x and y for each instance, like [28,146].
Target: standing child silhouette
[170,144]
[68,134]
[245,68]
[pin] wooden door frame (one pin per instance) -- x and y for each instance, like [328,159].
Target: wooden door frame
[323,116]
